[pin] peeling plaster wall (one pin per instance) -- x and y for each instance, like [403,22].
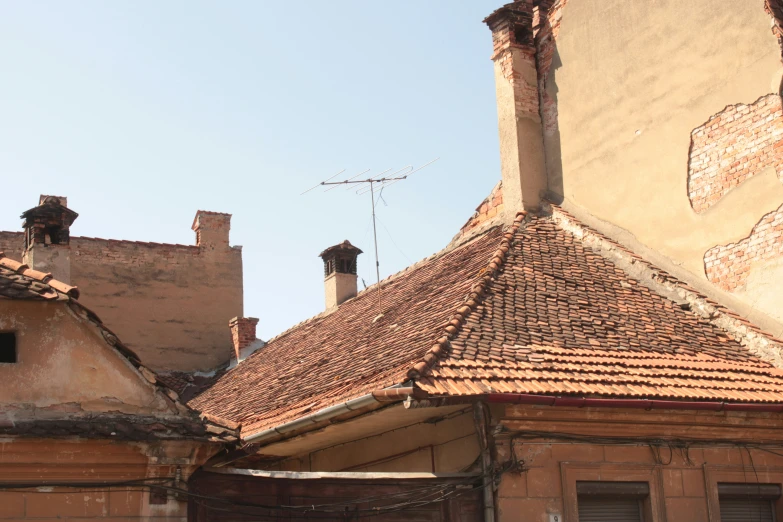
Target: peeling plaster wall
[37,460]
[627,84]
[64,367]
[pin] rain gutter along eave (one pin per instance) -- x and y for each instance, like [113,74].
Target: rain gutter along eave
[588,402]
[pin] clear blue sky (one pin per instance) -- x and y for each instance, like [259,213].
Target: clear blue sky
[143,112]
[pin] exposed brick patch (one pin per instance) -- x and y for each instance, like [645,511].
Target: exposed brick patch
[775,9]
[733,146]
[546,27]
[487,214]
[511,27]
[728,266]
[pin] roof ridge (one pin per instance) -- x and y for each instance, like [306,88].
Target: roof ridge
[472,300]
[390,278]
[757,341]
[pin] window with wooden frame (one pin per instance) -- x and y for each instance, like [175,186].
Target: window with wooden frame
[611,501]
[747,502]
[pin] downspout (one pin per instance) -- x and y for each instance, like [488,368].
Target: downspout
[480,420]
[393,394]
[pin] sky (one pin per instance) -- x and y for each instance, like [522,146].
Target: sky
[141,113]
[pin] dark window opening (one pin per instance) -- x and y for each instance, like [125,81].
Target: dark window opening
[743,502]
[53,234]
[523,36]
[7,347]
[616,501]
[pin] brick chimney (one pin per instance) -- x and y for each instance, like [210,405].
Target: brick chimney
[243,333]
[339,273]
[47,237]
[519,122]
[212,230]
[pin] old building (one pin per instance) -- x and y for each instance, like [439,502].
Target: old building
[161,299]
[86,431]
[599,341]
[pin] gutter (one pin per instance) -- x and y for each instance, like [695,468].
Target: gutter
[393,394]
[316,475]
[584,402]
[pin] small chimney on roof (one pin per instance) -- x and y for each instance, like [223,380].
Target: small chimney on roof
[339,273]
[243,334]
[47,237]
[212,230]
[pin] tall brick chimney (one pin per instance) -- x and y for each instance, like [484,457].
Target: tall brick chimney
[243,333]
[339,273]
[519,123]
[212,229]
[47,237]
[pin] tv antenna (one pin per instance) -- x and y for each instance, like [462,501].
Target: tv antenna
[372,184]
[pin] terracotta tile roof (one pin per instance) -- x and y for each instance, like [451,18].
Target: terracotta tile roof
[18,281]
[558,318]
[338,356]
[538,308]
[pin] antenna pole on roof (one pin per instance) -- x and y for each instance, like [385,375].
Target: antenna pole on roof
[371,188]
[375,239]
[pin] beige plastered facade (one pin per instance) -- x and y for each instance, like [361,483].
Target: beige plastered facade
[66,371]
[631,81]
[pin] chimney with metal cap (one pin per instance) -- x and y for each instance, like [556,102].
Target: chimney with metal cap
[339,273]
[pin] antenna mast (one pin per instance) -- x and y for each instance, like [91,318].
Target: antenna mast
[372,189]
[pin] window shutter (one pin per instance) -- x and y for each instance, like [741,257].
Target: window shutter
[609,509]
[745,510]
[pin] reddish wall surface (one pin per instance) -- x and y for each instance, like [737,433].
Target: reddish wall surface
[682,480]
[171,304]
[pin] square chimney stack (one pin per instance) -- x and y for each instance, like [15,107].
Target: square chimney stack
[519,122]
[340,273]
[47,237]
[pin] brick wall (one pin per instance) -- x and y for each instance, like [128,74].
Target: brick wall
[11,244]
[728,266]
[488,212]
[171,304]
[732,146]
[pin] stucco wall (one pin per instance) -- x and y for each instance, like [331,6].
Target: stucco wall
[627,84]
[171,304]
[64,367]
[682,482]
[449,445]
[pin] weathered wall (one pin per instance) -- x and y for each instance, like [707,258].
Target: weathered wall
[171,304]
[628,86]
[683,482]
[64,366]
[35,461]
[449,445]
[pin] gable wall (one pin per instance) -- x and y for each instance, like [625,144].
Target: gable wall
[663,119]
[64,366]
